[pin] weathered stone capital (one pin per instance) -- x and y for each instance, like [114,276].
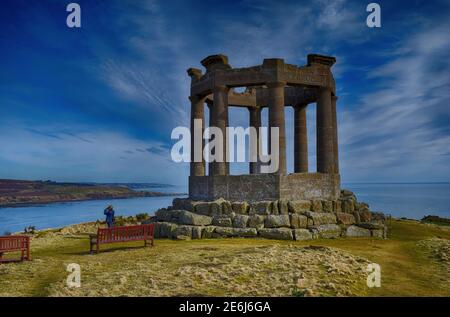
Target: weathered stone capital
[321,59]
[194,73]
[334,98]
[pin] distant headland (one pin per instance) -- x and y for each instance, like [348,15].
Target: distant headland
[14,193]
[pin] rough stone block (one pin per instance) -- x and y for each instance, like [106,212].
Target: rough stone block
[365,215]
[302,234]
[337,206]
[299,206]
[202,208]
[240,207]
[277,221]
[316,205]
[256,221]
[328,231]
[261,208]
[361,206]
[189,218]
[207,232]
[182,204]
[197,232]
[274,207]
[183,231]
[240,221]
[167,229]
[222,221]
[234,232]
[378,233]
[355,231]
[321,218]
[345,219]
[283,206]
[348,206]
[298,221]
[327,205]
[276,233]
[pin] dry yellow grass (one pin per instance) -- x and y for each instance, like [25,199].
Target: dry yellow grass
[413,262]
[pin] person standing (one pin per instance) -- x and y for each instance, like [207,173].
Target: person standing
[109,213]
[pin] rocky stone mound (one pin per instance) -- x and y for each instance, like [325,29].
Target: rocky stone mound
[281,219]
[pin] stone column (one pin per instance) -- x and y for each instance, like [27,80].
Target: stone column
[300,139]
[325,138]
[335,135]
[255,121]
[275,103]
[197,112]
[219,118]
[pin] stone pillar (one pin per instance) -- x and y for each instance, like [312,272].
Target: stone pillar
[335,135]
[275,103]
[219,118]
[197,112]
[325,138]
[300,139]
[255,121]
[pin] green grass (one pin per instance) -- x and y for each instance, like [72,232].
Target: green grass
[223,267]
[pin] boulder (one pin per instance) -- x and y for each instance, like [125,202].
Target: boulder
[365,215]
[361,206]
[182,204]
[370,226]
[347,193]
[240,221]
[164,215]
[302,234]
[234,232]
[207,232]
[197,232]
[277,221]
[240,207]
[276,233]
[337,206]
[261,208]
[167,229]
[316,205]
[222,221]
[202,208]
[378,233]
[378,218]
[355,231]
[345,219]
[348,206]
[321,218]
[327,206]
[183,232]
[328,231]
[189,218]
[245,232]
[256,221]
[283,206]
[298,221]
[299,206]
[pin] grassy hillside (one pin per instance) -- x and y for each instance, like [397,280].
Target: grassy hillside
[18,192]
[414,262]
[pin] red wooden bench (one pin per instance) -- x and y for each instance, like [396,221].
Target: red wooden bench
[15,244]
[122,234]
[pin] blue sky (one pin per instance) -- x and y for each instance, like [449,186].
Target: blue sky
[99,103]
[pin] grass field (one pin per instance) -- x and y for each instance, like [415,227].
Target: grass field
[415,261]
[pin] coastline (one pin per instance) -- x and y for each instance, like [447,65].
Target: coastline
[47,202]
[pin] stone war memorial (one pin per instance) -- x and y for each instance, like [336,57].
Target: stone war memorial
[291,206]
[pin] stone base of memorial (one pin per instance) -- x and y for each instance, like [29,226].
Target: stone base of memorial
[273,219]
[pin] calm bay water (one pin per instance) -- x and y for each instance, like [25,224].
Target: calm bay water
[400,200]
